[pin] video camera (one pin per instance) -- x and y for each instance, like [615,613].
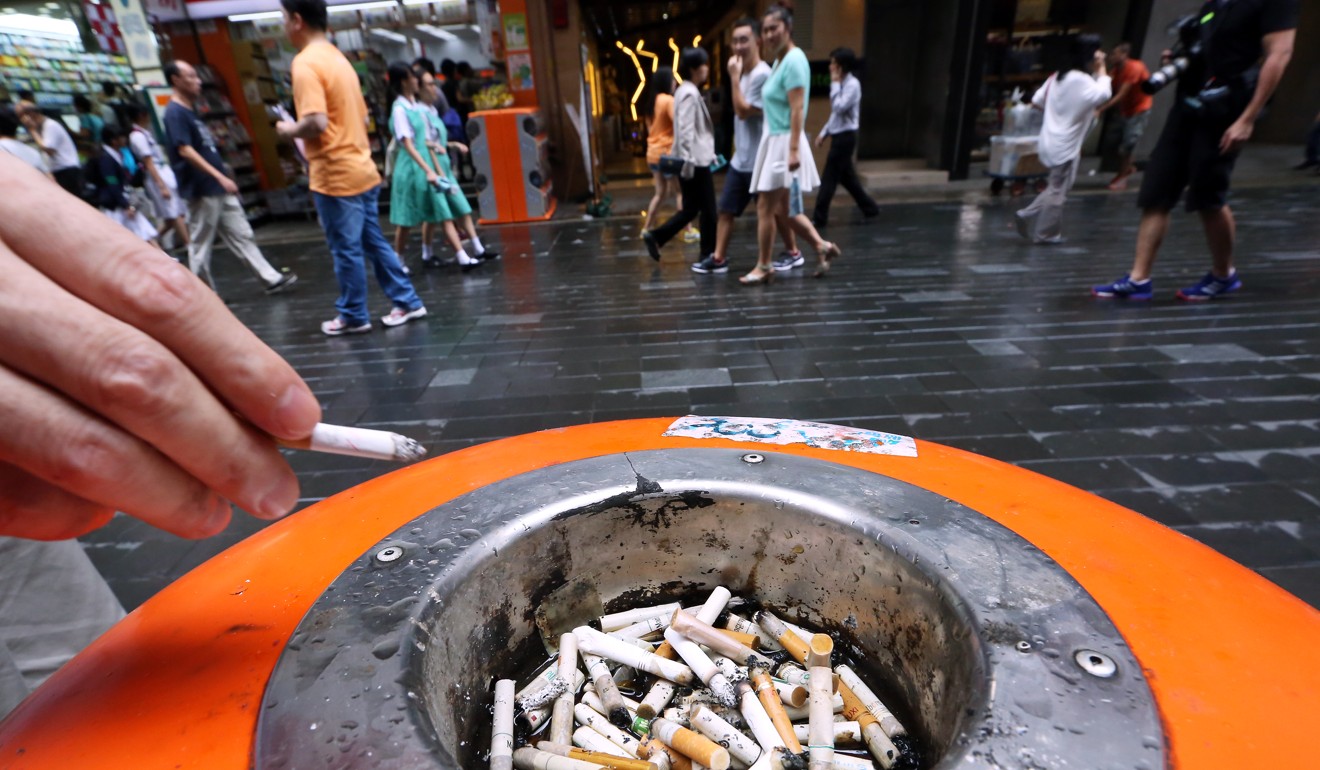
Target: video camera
[1185,52]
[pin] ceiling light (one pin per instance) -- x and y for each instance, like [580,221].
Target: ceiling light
[362,6]
[388,35]
[437,33]
[257,16]
[26,23]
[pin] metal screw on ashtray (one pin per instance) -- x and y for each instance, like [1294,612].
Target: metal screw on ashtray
[389,554]
[1096,664]
[753,458]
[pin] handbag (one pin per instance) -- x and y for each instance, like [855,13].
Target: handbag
[671,164]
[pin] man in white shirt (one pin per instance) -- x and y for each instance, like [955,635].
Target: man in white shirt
[845,107]
[55,142]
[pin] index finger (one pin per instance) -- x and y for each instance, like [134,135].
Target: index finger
[131,281]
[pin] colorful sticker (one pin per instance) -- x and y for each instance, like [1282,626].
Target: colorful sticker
[814,434]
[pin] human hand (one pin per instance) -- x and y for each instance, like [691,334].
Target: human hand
[285,128]
[228,185]
[793,162]
[836,72]
[688,170]
[735,66]
[1236,135]
[431,177]
[820,141]
[463,148]
[1098,61]
[165,193]
[128,385]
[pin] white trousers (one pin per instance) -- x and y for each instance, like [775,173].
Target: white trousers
[222,215]
[1044,216]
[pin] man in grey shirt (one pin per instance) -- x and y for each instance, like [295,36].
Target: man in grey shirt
[845,104]
[747,73]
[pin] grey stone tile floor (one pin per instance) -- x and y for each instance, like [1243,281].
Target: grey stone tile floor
[938,322]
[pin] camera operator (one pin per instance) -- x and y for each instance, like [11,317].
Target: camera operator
[1244,48]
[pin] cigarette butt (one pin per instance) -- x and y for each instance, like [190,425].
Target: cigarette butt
[595,757]
[698,631]
[691,744]
[820,730]
[501,737]
[758,721]
[586,716]
[702,666]
[877,742]
[659,696]
[617,620]
[765,690]
[653,749]
[888,722]
[561,716]
[850,762]
[793,675]
[643,628]
[846,733]
[804,713]
[796,645]
[747,640]
[715,727]
[603,680]
[358,442]
[586,738]
[528,758]
[743,625]
[794,695]
[593,641]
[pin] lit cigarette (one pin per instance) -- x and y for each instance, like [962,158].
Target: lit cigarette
[877,742]
[585,715]
[821,713]
[745,626]
[561,716]
[593,641]
[603,680]
[765,690]
[694,629]
[888,722]
[702,666]
[713,726]
[844,732]
[691,744]
[359,442]
[501,735]
[595,757]
[662,692]
[586,738]
[617,620]
[796,645]
[528,758]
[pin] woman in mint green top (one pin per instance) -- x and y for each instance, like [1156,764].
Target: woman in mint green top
[414,198]
[785,168]
[437,139]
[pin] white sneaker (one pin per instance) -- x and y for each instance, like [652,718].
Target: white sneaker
[336,327]
[398,316]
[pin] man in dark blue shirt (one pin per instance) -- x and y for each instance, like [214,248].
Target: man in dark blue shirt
[213,205]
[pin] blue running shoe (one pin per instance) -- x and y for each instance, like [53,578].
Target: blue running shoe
[1210,287]
[1126,288]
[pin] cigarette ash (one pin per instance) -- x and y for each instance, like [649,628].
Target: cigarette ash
[408,450]
[635,687]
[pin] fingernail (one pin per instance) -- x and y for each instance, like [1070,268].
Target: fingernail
[217,518]
[296,412]
[280,499]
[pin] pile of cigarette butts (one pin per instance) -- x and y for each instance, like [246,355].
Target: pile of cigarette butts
[757,693]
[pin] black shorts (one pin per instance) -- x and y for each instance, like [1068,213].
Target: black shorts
[1187,158]
[737,192]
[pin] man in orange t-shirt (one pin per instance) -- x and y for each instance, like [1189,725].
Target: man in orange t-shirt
[1133,107]
[332,124]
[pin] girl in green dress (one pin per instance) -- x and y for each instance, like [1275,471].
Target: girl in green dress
[434,104]
[414,198]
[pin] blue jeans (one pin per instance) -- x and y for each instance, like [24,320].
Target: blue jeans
[352,229]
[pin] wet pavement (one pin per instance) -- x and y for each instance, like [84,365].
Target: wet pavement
[938,323]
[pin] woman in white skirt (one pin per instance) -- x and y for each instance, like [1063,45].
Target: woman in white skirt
[162,187]
[112,182]
[784,169]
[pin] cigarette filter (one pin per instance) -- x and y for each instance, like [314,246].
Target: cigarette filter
[820,745]
[586,738]
[691,744]
[633,722]
[655,749]
[804,713]
[765,690]
[715,727]
[793,675]
[593,641]
[594,757]
[790,694]
[586,716]
[662,692]
[659,696]
[528,758]
[888,722]
[501,734]
[694,629]
[643,628]
[877,742]
[746,640]
[616,620]
[758,721]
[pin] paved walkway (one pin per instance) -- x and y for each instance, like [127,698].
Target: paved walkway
[938,323]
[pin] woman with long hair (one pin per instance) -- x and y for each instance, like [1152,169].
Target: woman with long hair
[694,143]
[1069,99]
[784,168]
[659,107]
[414,197]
